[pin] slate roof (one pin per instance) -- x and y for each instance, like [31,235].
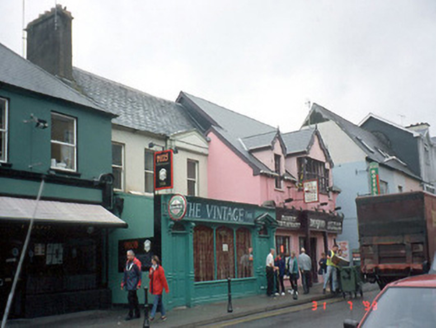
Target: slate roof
[298,141]
[259,141]
[364,139]
[135,109]
[233,128]
[21,73]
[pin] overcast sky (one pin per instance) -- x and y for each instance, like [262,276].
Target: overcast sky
[265,59]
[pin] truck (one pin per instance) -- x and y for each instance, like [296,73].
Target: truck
[397,235]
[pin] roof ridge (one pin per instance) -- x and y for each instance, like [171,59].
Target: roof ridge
[259,134]
[230,110]
[122,85]
[56,78]
[298,131]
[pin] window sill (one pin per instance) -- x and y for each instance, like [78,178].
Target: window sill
[5,164]
[221,281]
[59,171]
[279,189]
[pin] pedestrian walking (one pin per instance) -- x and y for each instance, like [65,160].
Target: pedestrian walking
[132,282]
[293,274]
[323,268]
[270,272]
[158,283]
[331,270]
[280,264]
[305,265]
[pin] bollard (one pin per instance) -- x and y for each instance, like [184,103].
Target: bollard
[229,305]
[146,321]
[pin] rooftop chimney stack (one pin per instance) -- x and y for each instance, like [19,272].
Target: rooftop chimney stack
[49,42]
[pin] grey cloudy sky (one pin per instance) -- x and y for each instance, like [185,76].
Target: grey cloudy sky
[264,58]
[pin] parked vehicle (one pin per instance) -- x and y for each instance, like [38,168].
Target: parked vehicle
[397,235]
[406,303]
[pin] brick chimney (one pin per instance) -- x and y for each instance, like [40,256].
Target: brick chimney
[49,42]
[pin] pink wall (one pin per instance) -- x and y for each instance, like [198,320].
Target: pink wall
[229,177]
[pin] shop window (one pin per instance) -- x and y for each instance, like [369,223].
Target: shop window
[282,245]
[203,253]
[244,253]
[3,129]
[118,165]
[225,255]
[148,171]
[192,178]
[310,169]
[63,142]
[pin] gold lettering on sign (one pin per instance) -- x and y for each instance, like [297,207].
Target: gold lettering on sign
[162,158]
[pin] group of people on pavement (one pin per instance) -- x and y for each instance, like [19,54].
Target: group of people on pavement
[294,267]
[132,282]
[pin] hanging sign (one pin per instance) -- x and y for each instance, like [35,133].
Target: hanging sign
[311,193]
[375,181]
[163,169]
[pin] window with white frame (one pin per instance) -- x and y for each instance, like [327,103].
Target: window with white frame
[118,165]
[149,171]
[3,129]
[63,142]
[192,178]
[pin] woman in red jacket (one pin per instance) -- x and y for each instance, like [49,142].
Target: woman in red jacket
[157,283]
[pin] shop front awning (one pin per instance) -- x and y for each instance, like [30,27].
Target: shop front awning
[21,209]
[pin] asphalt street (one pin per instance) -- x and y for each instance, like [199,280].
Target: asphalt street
[331,313]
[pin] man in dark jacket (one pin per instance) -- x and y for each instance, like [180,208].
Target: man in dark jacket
[132,282]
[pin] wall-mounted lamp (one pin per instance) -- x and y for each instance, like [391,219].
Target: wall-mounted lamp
[39,123]
[323,204]
[338,208]
[288,200]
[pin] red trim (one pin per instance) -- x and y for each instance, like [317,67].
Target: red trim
[171,186]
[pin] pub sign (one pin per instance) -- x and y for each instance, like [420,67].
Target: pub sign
[163,169]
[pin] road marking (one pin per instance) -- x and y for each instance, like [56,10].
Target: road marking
[273,313]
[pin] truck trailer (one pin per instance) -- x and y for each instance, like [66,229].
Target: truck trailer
[397,235]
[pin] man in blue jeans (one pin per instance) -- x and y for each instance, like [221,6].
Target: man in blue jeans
[331,270]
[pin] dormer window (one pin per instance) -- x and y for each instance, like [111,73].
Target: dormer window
[277,169]
[310,169]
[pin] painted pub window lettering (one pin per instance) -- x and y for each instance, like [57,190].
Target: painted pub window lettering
[3,129]
[192,177]
[63,142]
[118,165]
[148,171]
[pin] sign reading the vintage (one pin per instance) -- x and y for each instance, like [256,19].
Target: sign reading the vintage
[163,169]
[288,221]
[219,212]
[311,193]
[177,207]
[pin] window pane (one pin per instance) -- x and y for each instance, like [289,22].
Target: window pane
[192,168]
[117,154]
[118,177]
[148,160]
[62,129]
[203,253]
[149,182]
[2,146]
[64,156]
[2,114]
[225,256]
[191,188]
[244,253]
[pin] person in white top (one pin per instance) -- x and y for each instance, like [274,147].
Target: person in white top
[270,272]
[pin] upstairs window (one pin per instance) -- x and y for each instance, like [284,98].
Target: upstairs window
[148,171]
[3,129]
[310,169]
[63,142]
[277,169]
[118,165]
[192,178]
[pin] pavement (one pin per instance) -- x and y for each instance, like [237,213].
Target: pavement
[198,316]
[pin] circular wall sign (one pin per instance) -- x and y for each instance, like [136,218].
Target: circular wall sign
[177,207]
